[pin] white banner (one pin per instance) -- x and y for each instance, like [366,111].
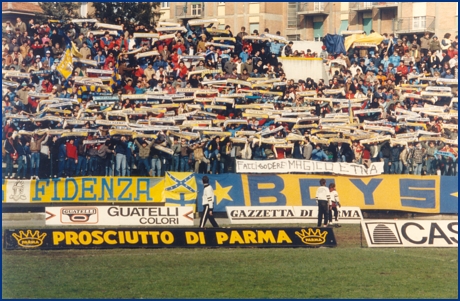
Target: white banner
[109,26]
[287,214]
[196,22]
[119,216]
[175,28]
[148,53]
[148,35]
[219,45]
[307,166]
[410,233]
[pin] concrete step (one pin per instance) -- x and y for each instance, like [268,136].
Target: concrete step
[22,216]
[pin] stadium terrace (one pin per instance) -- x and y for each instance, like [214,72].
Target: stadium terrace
[82,98]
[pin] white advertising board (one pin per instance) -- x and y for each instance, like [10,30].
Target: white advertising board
[410,233]
[119,216]
[287,214]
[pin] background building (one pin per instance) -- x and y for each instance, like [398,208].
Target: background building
[23,10]
[313,20]
[297,20]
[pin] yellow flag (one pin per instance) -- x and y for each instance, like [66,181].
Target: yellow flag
[65,67]
[75,51]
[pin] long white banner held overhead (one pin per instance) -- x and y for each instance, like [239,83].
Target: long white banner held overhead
[119,216]
[287,214]
[307,166]
[410,233]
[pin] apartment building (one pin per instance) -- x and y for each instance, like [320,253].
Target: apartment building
[313,20]
[252,15]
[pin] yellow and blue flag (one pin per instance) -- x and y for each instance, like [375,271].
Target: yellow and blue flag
[180,189]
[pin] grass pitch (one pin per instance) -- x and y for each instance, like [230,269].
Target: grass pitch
[347,271]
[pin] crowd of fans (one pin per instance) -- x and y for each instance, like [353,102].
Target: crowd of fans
[206,97]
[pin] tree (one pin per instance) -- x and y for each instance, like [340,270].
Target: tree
[60,10]
[126,13]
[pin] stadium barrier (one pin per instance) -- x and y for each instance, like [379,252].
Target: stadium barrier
[287,214]
[422,194]
[119,216]
[409,193]
[410,233]
[167,238]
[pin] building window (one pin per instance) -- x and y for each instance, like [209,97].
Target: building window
[292,19]
[84,9]
[293,37]
[165,4]
[419,22]
[318,6]
[343,26]
[196,9]
[318,31]
[252,27]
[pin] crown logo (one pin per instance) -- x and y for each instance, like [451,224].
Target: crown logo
[29,239]
[312,237]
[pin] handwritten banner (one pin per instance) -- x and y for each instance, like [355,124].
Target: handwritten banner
[307,166]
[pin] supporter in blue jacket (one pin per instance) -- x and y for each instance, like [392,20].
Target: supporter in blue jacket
[395,59]
[318,154]
[275,48]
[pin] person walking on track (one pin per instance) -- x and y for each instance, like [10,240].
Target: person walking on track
[208,204]
[323,199]
[333,207]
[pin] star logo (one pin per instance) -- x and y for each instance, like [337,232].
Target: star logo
[455,194]
[221,193]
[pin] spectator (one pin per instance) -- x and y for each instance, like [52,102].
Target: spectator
[318,154]
[156,80]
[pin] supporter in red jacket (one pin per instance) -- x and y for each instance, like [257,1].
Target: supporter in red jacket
[129,87]
[402,69]
[47,87]
[181,70]
[72,157]
[174,58]
[109,59]
[123,43]
[138,72]
[178,46]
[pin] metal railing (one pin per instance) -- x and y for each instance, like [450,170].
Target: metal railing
[363,5]
[370,5]
[414,24]
[190,10]
[386,4]
[314,7]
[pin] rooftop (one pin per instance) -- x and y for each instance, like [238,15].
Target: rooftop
[21,7]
